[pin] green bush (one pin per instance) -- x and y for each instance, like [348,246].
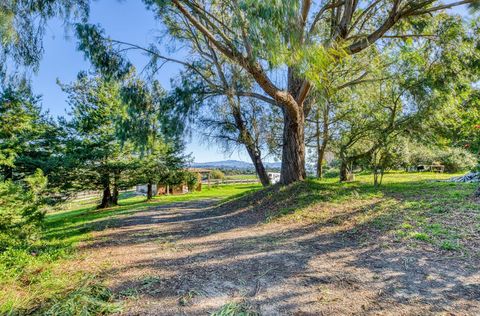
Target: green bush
[20,211]
[455,159]
[217,174]
[191,178]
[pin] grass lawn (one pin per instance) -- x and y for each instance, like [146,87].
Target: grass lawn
[43,274]
[241,177]
[411,207]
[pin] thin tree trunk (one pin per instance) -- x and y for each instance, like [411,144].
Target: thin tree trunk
[477,193]
[116,192]
[321,154]
[149,190]
[246,137]
[259,167]
[293,151]
[321,157]
[343,172]
[318,143]
[325,138]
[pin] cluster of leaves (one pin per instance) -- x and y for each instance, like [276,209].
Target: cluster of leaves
[23,24]
[21,214]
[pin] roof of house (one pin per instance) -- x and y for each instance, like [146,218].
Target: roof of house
[199,170]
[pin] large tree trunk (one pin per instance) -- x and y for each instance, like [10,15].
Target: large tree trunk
[256,157]
[343,170]
[293,151]
[107,195]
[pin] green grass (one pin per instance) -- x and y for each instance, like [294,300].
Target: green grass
[241,177]
[412,207]
[409,207]
[41,278]
[236,309]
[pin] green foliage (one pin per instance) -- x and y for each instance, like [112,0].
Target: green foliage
[236,309]
[89,298]
[20,211]
[192,179]
[217,174]
[97,157]
[454,159]
[101,53]
[19,119]
[23,23]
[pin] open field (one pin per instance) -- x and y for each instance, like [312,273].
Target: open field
[319,247]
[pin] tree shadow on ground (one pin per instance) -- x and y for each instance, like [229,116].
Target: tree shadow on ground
[344,261]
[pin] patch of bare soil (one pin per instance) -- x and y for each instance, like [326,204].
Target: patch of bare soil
[192,258]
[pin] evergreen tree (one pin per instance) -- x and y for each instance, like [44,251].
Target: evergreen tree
[97,157]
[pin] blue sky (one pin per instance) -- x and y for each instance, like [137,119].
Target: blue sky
[124,20]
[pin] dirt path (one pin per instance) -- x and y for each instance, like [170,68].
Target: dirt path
[192,258]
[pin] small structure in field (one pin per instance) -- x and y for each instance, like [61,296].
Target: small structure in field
[274,177]
[432,168]
[203,175]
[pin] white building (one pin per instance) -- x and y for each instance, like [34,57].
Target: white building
[274,177]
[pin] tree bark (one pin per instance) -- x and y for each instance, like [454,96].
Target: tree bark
[149,190]
[259,167]
[321,154]
[116,192]
[321,150]
[325,137]
[107,195]
[293,151]
[343,171]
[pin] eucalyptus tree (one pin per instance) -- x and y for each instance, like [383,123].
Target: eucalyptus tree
[211,93]
[422,85]
[298,39]
[23,24]
[224,116]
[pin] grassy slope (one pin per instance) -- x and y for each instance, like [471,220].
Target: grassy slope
[412,208]
[44,273]
[408,207]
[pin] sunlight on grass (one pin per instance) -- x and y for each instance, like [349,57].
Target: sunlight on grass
[42,274]
[413,208]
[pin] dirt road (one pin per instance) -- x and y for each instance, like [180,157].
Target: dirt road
[192,258]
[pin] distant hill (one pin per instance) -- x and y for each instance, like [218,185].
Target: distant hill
[233,165]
